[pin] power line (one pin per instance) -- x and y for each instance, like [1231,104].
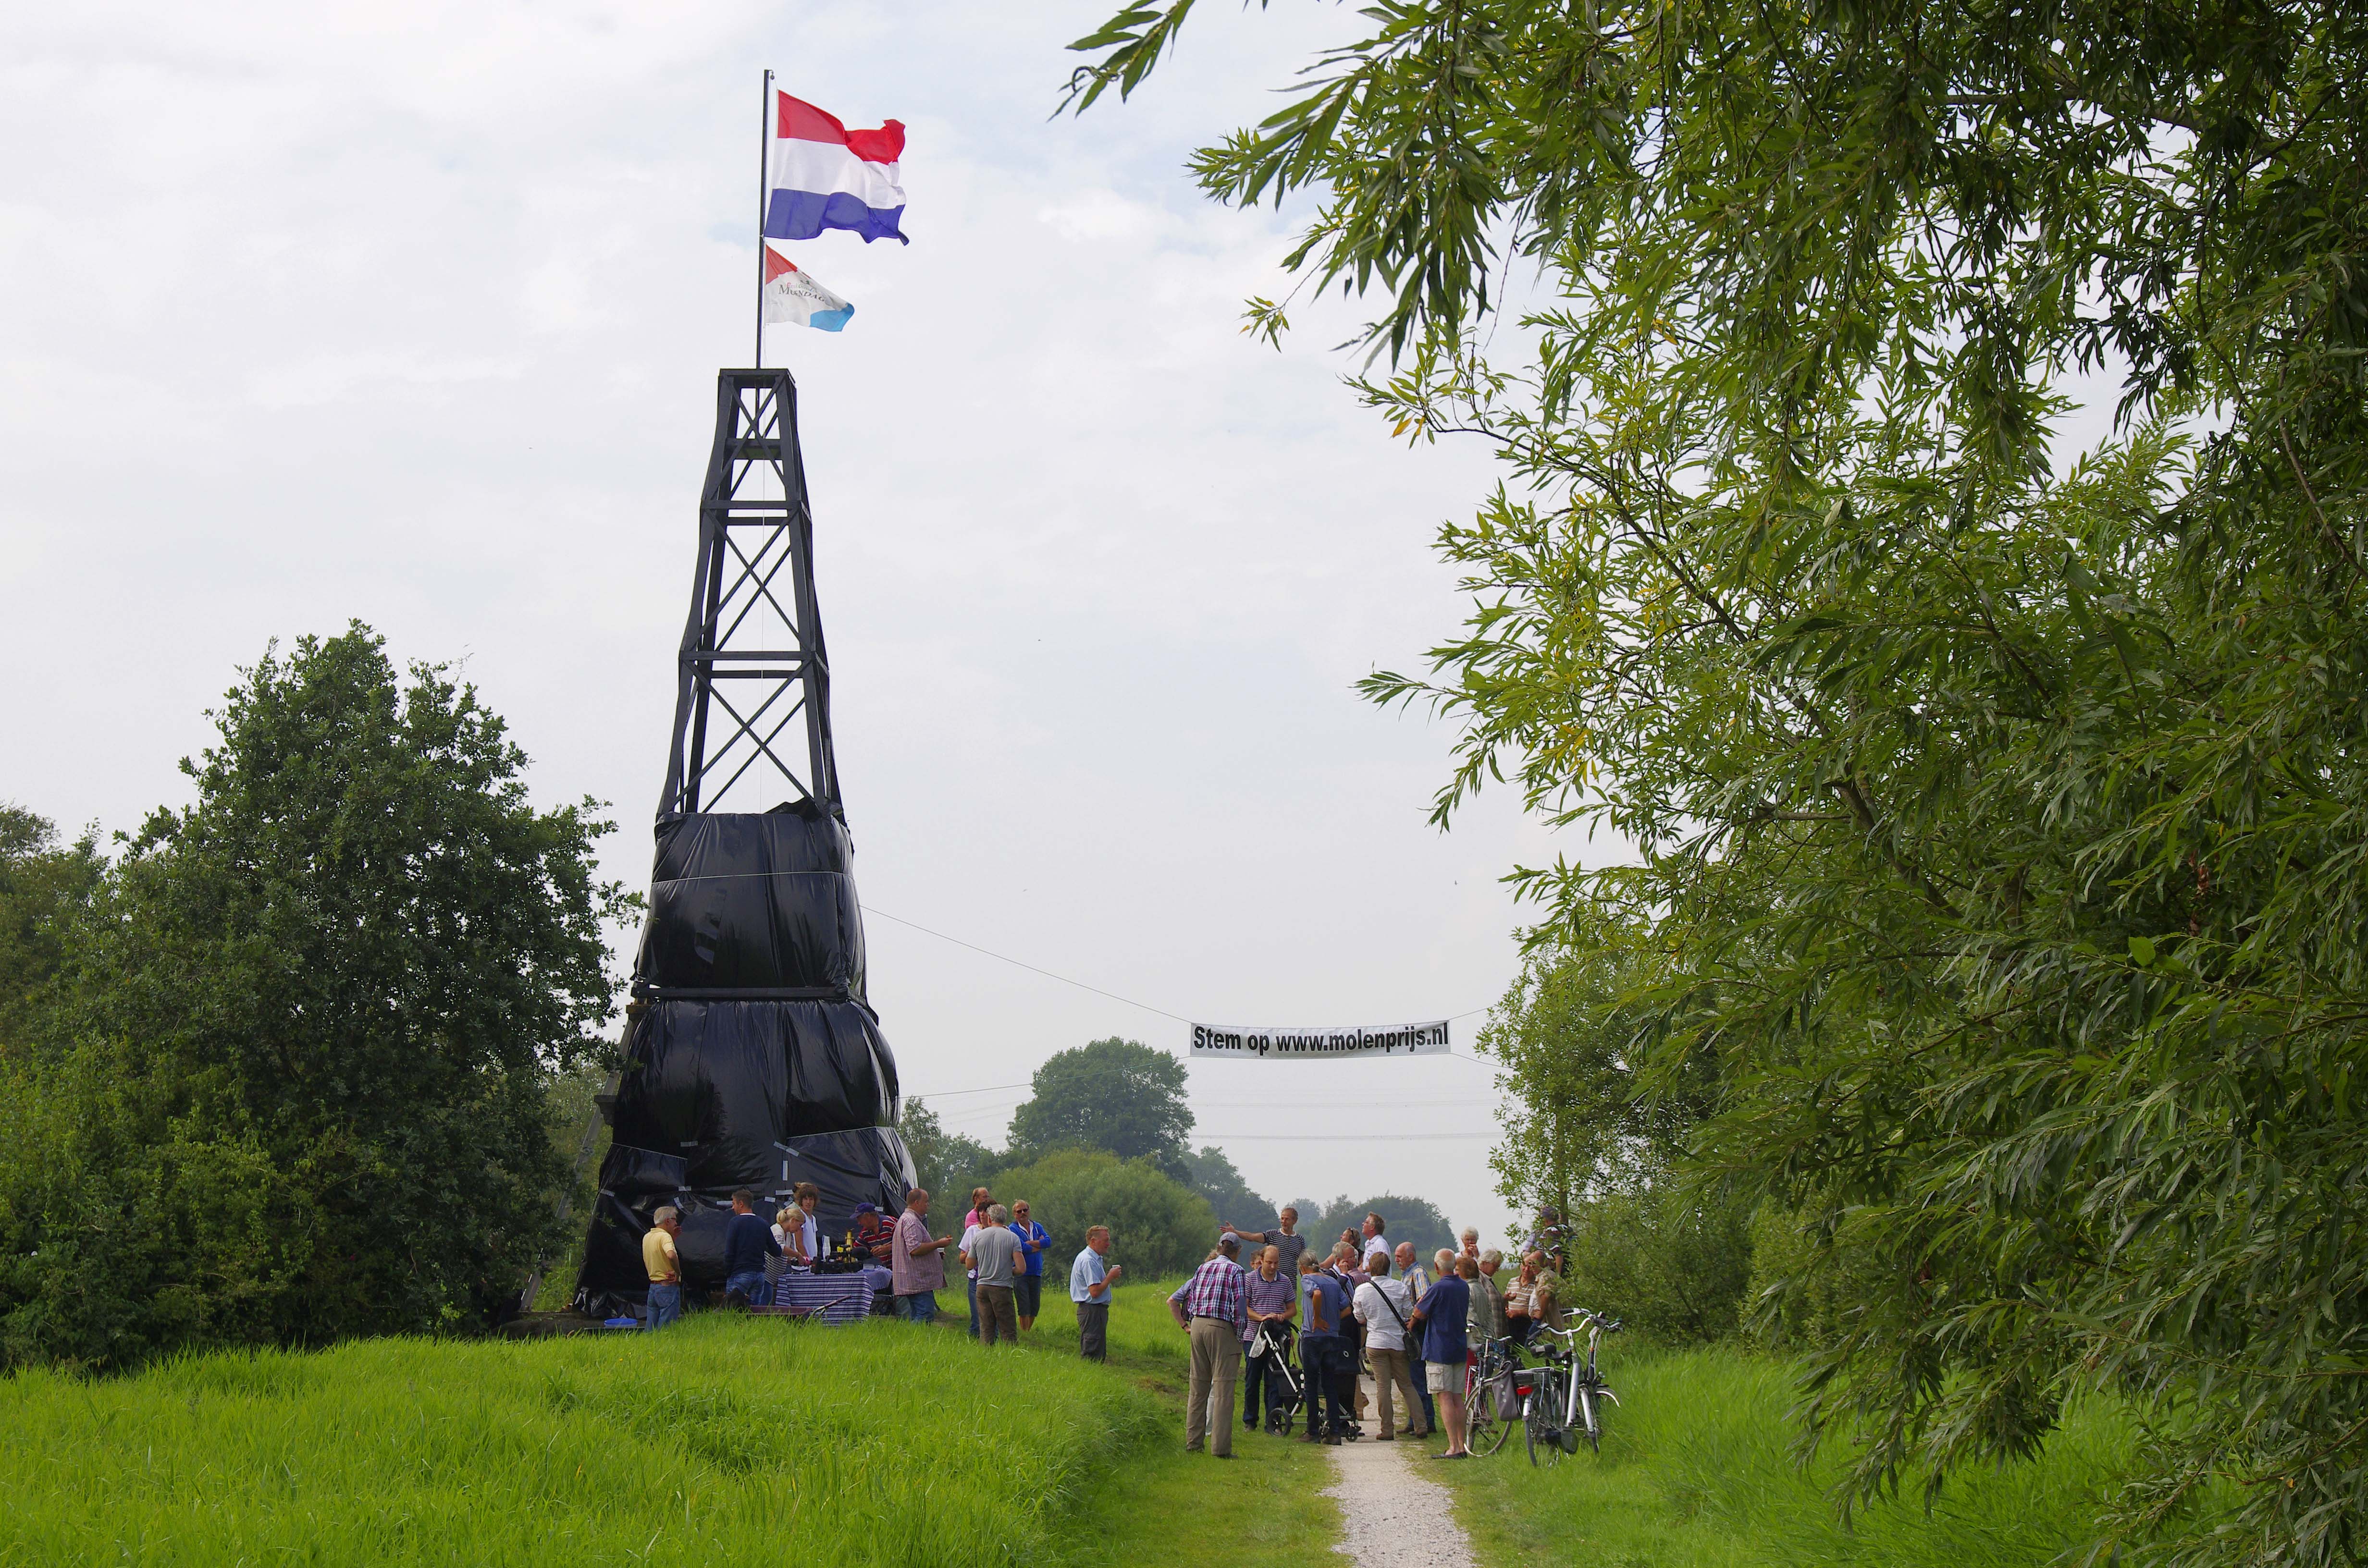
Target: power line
[1032,969]
[1047,973]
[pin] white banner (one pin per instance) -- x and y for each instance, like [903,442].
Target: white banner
[1307,1045]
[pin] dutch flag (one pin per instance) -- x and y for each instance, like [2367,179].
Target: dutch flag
[827,177]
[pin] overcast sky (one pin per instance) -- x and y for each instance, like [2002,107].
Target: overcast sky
[411,314]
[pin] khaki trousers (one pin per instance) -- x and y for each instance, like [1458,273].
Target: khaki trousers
[1392,1368]
[1216,1362]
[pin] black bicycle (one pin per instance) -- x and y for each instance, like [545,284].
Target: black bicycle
[1491,1405]
[1562,1396]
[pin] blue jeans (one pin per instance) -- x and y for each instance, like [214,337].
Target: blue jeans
[665,1305]
[750,1282]
[922,1308]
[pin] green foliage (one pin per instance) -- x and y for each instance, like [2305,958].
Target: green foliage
[44,883]
[1117,1095]
[295,1078]
[1588,1134]
[1213,1175]
[1668,1261]
[1998,810]
[1582,1120]
[947,1165]
[721,1439]
[1158,1225]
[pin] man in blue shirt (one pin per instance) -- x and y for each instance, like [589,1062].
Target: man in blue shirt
[1090,1279]
[1029,1284]
[747,1243]
[1442,1313]
[1322,1352]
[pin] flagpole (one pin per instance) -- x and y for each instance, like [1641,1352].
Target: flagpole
[764,150]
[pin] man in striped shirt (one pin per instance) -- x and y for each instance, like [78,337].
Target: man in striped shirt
[1272,1297]
[1212,1309]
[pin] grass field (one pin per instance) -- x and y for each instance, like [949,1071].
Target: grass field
[721,1439]
[1696,1473]
[882,1444]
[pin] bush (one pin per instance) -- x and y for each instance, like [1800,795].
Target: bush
[1157,1226]
[1665,1264]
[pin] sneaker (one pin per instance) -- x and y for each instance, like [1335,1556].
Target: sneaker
[1386,1438]
[1333,1441]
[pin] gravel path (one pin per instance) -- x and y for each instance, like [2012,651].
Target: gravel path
[1397,1517]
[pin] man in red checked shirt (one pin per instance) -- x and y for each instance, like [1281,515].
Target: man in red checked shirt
[1213,1307]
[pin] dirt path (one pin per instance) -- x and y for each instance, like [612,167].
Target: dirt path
[1395,1514]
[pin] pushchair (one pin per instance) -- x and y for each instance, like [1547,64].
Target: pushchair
[1274,1347]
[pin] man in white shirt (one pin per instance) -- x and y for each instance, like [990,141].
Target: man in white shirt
[1383,1305]
[1090,1279]
[1417,1279]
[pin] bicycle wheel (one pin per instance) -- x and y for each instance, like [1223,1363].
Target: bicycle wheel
[1487,1423]
[1542,1417]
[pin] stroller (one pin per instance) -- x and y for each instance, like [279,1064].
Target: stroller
[1274,1347]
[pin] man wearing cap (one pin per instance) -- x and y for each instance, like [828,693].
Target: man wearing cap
[1029,1283]
[1212,1307]
[872,1234]
[917,1260]
[1090,1279]
[664,1266]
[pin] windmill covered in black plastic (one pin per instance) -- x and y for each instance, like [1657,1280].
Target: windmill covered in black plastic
[751,1056]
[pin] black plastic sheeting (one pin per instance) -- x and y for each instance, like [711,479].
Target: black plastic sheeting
[753,901]
[751,1057]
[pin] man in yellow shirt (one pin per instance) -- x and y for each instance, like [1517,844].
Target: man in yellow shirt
[664,1266]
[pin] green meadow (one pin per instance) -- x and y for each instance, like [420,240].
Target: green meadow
[719,1439]
[882,1444]
[1696,1472]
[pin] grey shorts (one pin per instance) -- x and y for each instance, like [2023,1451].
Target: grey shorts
[1444,1377]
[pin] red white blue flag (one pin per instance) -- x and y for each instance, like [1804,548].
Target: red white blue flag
[827,177]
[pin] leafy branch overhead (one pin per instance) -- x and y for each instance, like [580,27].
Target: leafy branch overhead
[1997,920]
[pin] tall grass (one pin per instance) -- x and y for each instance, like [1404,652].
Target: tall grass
[720,1440]
[1696,1472]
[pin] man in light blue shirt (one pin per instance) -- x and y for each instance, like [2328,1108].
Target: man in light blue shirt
[1090,1279]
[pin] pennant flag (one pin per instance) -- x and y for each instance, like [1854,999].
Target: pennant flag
[827,177]
[794,296]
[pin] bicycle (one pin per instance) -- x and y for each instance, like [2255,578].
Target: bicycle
[1490,1405]
[1562,1400]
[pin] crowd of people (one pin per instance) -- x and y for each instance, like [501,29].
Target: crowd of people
[1308,1323]
[1294,1327]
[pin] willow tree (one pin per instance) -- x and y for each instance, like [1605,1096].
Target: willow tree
[1999,798]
